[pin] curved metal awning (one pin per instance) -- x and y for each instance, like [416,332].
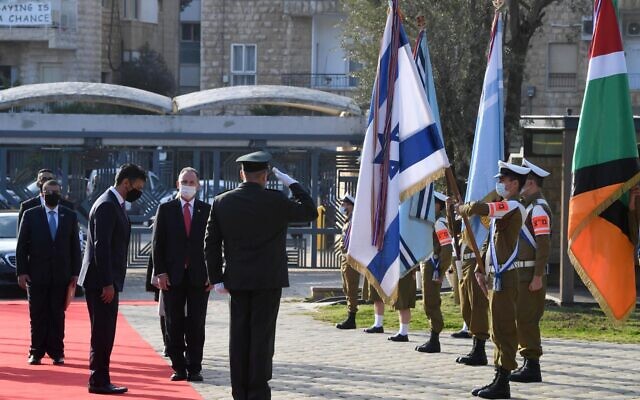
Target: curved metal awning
[85,92]
[289,96]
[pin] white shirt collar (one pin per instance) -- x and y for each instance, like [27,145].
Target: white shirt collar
[118,196]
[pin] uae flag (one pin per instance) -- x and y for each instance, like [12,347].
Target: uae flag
[605,167]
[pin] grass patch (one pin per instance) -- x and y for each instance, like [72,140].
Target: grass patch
[576,322]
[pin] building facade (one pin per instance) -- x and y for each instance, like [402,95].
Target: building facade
[49,41]
[557,61]
[274,42]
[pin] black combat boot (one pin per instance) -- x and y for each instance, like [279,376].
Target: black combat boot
[477,390]
[477,356]
[349,323]
[528,372]
[500,388]
[432,345]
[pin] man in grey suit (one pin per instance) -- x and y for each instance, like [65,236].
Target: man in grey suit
[251,223]
[104,268]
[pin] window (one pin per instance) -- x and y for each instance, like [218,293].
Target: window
[130,9]
[190,32]
[130,55]
[243,64]
[50,72]
[562,66]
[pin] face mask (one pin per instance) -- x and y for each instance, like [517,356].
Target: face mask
[51,199]
[133,195]
[502,190]
[188,192]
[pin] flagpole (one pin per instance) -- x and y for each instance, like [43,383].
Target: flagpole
[453,187]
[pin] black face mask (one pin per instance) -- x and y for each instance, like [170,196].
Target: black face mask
[133,195]
[51,199]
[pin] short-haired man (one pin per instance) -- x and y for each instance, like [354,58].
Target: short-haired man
[178,263]
[507,217]
[350,276]
[44,175]
[48,263]
[104,268]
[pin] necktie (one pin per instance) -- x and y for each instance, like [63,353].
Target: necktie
[53,227]
[187,218]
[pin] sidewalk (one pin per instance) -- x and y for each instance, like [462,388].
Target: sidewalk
[316,361]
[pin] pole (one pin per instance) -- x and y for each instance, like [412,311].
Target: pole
[453,187]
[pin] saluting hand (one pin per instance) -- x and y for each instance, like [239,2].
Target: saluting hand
[108,293]
[282,177]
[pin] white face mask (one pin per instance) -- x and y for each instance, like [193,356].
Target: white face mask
[502,190]
[188,192]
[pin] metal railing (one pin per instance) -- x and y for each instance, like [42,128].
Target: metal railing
[562,81]
[320,81]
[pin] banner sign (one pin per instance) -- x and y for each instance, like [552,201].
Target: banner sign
[32,13]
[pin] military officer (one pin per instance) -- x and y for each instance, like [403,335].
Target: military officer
[507,218]
[350,276]
[432,271]
[247,228]
[533,255]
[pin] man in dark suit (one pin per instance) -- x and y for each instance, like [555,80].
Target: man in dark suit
[251,222]
[48,262]
[104,268]
[178,262]
[37,201]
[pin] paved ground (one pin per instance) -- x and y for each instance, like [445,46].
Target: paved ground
[316,361]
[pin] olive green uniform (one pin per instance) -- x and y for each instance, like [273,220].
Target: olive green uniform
[533,261]
[508,222]
[350,276]
[406,292]
[432,283]
[473,303]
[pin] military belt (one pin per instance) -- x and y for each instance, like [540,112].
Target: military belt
[524,264]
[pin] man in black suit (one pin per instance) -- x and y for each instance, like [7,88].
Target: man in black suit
[251,222]
[48,262]
[104,268]
[36,201]
[178,262]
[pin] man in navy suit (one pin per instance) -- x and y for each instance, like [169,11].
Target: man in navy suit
[178,261]
[48,262]
[43,176]
[104,268]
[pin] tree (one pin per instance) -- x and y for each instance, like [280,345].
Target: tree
[458,32]
[149,72]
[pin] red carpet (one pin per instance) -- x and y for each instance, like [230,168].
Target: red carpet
[134,363]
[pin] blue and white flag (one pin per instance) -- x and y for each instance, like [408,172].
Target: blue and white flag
[401,154]
[417,215]
[488,143]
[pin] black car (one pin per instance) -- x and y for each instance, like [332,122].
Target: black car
[8,241]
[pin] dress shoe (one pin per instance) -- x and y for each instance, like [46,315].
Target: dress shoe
[179,376]
[374,329]
[399,338]
[461,334]
[58,360]
[195,377]
[33,360]
[107,389]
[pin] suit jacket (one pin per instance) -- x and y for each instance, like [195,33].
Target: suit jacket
[105,256]
[171,246]
[251,222]
[35,202]
[48,261]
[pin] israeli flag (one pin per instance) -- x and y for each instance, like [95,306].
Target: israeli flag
[402,153]
[488,143]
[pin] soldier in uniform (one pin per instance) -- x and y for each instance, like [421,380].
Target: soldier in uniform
[473,303]
[533,255]
[432,271]
[251,223]
[350,276]
[501,248]
[405,301]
